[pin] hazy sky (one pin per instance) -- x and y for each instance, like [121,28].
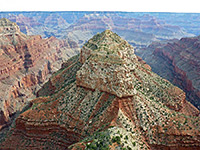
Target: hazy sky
[101,5]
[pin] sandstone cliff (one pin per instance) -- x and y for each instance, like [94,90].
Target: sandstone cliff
[26,62]
[76,109]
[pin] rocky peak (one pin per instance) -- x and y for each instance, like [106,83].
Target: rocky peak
[108,45]
[6,26]
[75,105]
[108,61]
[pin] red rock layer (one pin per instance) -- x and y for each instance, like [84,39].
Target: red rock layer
[183,57]
[73,112]
[178,62]
[26,63]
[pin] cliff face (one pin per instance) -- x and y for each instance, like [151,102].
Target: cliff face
[177,61]
[79,110]
[25,64]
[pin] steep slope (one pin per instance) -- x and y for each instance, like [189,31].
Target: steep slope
[25,63]
[179,62]
[106,98]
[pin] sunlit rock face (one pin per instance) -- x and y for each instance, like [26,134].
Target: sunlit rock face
[108,63]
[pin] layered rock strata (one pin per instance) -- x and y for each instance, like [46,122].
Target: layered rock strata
[107,70]
[178,62]
[26,62]
[70,115]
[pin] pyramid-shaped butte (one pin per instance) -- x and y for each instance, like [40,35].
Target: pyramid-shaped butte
[108,63]
[69,116]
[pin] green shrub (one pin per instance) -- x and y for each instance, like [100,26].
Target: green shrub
[126,137]
[134,144]
[116,139]
[128,148]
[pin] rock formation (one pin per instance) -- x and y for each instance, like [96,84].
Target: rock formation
[107,61]
[178,62]
[85,107]
[26,62]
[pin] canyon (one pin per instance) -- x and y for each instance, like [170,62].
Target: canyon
[178,62]
[26,62]
[109,96]
[85,105]
[138,29]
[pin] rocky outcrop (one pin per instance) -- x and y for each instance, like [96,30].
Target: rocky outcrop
[72,116]
[105,65]
[178,62]
[26,62]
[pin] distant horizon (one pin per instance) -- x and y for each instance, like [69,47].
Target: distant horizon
[49,11]
[172,18]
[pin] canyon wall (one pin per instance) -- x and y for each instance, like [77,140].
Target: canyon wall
[26,62]
[178,62]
